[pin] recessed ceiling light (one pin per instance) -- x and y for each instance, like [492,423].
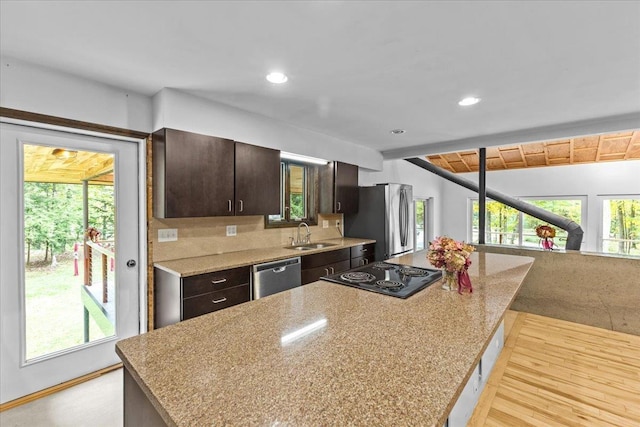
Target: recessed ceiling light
[471,100]
[277,78]
[397,131]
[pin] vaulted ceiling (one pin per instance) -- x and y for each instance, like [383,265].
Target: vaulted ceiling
[591,149]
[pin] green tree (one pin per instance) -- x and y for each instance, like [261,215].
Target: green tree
[52,216]
[102,210]
[625,224]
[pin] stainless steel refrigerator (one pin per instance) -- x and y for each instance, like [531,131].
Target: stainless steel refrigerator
[385,213]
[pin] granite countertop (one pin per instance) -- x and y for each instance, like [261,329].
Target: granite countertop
[373,359]
[206,264]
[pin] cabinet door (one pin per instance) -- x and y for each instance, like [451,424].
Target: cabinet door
[325,258]
[313,274]
[216,281]
[208,303]
[257,180]
[193,175]
[363,260]
[346,188]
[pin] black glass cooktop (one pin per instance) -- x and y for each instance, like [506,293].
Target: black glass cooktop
[397,280]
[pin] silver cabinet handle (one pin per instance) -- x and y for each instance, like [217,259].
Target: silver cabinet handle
[229,202]
[362,261]
[215,282]
[365,250]
[339,207]
[241,206]
[366,261]
[218,301]
[326,271]
[333,271]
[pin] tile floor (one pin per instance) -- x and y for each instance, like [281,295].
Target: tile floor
[95,403]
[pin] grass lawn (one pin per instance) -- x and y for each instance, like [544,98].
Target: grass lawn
[54,309]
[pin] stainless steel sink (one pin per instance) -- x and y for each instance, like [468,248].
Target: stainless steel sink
[309,246]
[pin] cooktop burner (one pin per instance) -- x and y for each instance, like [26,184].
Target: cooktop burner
[387,278]
[384,266]
[413,271]
[389,284]
[358,277]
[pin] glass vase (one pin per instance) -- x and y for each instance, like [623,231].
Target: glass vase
[449,280]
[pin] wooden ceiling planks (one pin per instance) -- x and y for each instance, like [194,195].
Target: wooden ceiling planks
[41,165]
[588,149]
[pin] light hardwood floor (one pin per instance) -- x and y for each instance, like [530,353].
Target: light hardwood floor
[550,373]
[556,373]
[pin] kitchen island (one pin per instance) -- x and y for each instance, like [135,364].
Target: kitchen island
[322,354]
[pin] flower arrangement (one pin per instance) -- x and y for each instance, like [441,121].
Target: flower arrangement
[92,234]
[453,257]
[546,233]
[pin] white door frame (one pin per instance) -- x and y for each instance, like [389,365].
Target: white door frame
[11,252]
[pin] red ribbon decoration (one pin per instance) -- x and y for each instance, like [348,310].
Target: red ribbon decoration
[464,281]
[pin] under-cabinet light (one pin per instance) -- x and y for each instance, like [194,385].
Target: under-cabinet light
[304,331]
[301,158]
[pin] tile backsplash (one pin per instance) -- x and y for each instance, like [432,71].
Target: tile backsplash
[207,236]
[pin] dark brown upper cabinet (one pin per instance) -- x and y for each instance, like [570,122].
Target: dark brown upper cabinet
[192,175]
[339,188]
[257,180]
[200,176]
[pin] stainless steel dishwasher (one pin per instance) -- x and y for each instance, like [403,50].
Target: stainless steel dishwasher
[277,276]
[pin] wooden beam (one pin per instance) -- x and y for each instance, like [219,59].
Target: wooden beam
[11,113]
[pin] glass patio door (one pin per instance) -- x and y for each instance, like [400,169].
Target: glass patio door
[68,255]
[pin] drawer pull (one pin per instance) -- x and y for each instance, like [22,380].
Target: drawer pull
[327,271]
[218,301]
[215,282]
[333,271]
[365,250]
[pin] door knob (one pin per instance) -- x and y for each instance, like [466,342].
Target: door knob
[131,263]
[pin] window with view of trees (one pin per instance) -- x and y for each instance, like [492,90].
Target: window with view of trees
[53,215]
[297,205]
[508,226]
[621,226]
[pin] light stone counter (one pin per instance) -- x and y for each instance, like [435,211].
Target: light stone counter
[207,264]
[373,359]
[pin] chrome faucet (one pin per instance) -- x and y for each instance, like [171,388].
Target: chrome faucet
[307,238]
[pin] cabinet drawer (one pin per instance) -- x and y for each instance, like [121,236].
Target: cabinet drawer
[213,301]
[325,258]
[363,260]
[313,274]
[363,250]
[216,281]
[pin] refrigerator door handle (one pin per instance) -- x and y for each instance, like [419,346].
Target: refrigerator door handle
[403,218]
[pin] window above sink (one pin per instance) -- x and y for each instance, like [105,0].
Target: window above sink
[298,197]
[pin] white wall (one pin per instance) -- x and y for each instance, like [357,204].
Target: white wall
[590,180]
[29,87]
[33,88]
[178,110]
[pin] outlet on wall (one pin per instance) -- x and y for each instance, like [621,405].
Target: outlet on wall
[232,230]
[325,223]
[168,235]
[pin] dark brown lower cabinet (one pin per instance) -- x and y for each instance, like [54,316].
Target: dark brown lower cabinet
[207,303]
[177,299]
[313,274]
[363,254]
[315,266]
